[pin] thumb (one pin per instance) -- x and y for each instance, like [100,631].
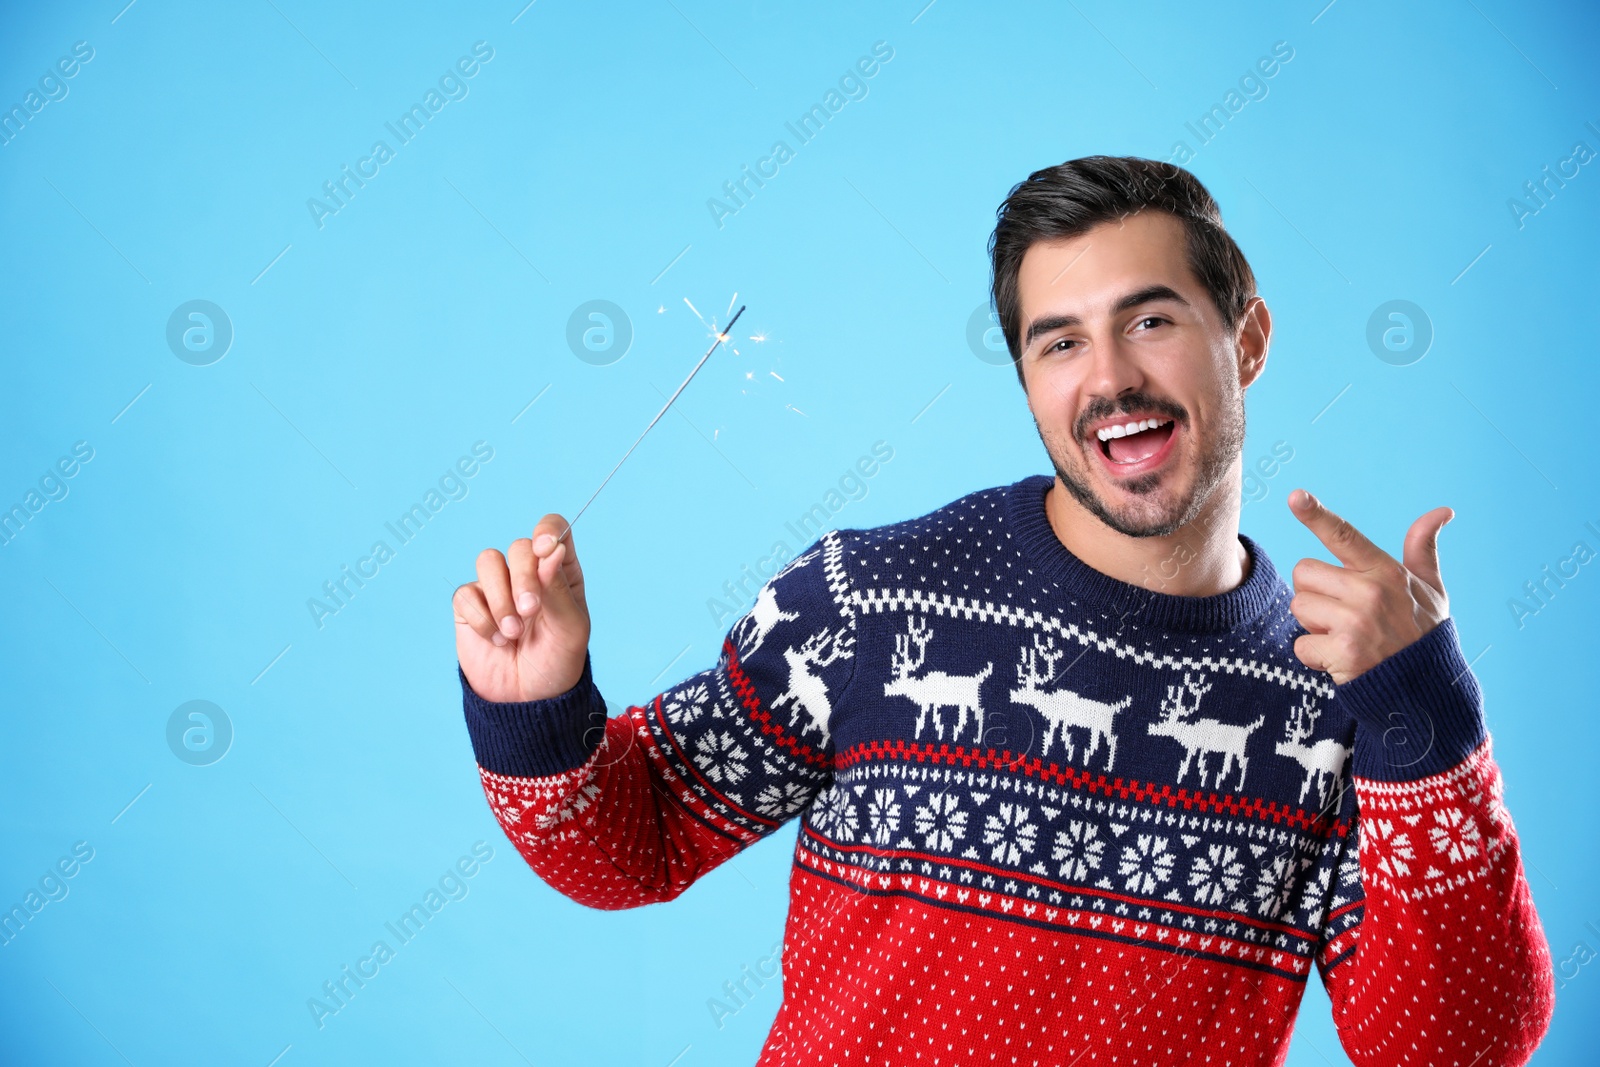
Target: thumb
[1308,648]
[1421,552]
[559,600]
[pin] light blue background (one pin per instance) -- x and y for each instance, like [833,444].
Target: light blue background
[428,312]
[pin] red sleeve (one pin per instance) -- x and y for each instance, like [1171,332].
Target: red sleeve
[632,809]
[1440,958]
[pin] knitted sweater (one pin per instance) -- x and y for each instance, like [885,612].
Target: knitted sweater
[1050,817]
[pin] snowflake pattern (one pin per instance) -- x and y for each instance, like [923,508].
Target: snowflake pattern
[779,800]
[721,757]
[1316,893]
[1146,864]
[1079,850]
[684,706]
[1274,886]
[883,816]
[1010,833]
[1215,875]
[1350,866]
[1393,847]
[835,815]
[941,822]
[1455,836]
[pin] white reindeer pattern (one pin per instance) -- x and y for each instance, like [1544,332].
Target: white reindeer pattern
[936,689]
[806,688]
[766,614]
[1063,709]
[1202,736]
[1322,761]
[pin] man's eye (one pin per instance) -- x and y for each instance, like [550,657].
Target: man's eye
[1057,346]
[1151,318]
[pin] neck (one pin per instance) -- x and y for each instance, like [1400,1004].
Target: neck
[1204,557]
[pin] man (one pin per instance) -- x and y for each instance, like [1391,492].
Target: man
[1081,780]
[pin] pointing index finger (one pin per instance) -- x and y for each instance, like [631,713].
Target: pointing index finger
[1348,544]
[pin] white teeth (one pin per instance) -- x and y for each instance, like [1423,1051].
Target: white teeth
[1124,430]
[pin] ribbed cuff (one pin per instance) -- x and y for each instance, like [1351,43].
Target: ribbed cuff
[536,738]
[1418,713]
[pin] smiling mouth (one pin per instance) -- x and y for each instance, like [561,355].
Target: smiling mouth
[1133,442]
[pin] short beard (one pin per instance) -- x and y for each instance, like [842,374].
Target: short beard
[1215,464]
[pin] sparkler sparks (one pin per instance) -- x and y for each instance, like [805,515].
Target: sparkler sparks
[721,336]
[712,325]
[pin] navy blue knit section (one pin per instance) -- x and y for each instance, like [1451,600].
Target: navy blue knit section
[536,738]
[1139,607]
[1420,711]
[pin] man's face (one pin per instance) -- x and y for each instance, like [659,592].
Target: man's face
[1123,333]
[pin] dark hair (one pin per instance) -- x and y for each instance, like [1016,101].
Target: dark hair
[1070,198]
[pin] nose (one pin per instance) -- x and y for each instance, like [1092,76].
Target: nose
[1111,369]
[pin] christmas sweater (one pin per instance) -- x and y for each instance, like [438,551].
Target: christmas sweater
[1050,817]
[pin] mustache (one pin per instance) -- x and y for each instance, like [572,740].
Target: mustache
[1127,404]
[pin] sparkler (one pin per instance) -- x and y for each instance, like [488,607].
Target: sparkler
[722,336]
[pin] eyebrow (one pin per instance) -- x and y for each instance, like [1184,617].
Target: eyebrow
[1139,296]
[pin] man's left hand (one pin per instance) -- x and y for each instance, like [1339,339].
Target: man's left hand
[1360,614]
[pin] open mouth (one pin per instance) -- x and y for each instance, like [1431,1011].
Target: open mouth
[1138,444]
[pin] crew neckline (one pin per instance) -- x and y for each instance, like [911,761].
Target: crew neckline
[1025,510]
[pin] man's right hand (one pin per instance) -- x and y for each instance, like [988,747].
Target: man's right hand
[522,629]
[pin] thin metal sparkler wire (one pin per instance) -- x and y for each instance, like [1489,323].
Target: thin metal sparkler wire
[721,337]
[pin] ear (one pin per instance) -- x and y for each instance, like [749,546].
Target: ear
[1253,335]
